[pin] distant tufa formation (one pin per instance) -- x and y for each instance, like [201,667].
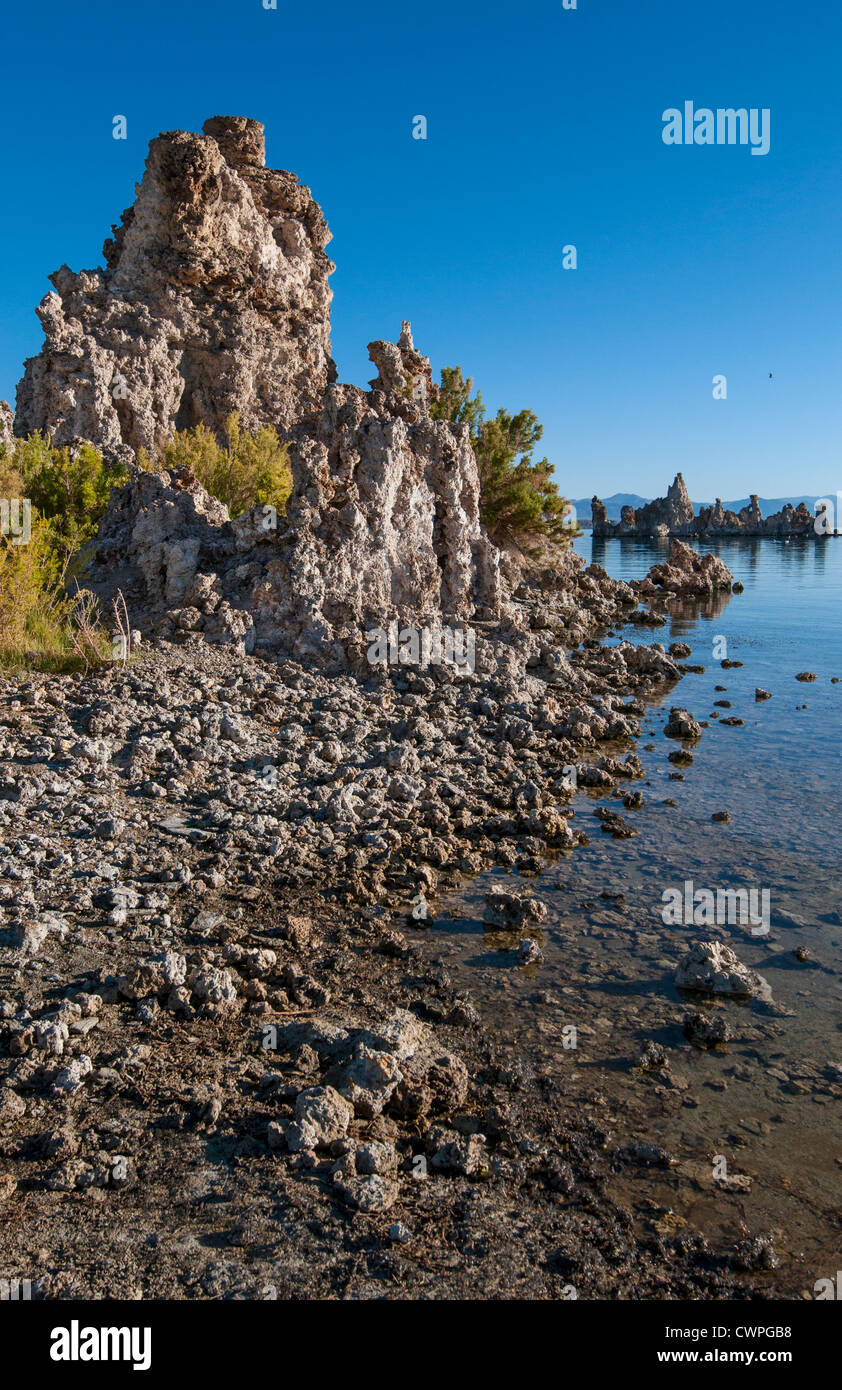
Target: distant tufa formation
[215,298]
[673,515]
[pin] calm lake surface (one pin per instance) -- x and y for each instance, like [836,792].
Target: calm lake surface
[753,1131]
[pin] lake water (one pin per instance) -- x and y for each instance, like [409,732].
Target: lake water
[754,1130]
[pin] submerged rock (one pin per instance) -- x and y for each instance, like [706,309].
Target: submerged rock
[712,968]
[707,1030]
[512,910]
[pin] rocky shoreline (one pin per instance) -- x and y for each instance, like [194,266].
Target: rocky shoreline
[230,1066]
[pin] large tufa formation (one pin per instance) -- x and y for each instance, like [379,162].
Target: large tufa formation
[668,516]
[214,298]
[673,515]
[383,524]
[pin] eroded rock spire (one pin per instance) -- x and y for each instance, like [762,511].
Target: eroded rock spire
[214,297]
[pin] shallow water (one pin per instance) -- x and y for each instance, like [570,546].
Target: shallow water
[766,1111]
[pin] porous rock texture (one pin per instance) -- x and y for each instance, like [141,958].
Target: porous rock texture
[686,572]
[712,968]
[215,298]
[7,421]
[383,524]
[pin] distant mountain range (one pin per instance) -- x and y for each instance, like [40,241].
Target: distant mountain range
[768,505]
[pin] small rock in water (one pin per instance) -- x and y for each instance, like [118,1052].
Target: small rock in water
[651,1155]
[755,1253]
[681,724]
[681,757]
[530,953]
[788,919]
[512,909]
[653,1057]
[706,1031]
[613,824]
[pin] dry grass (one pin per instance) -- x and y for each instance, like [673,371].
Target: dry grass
[42,626]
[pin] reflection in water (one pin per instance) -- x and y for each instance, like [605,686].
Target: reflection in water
[637,554]
[770,1102]
[711,606]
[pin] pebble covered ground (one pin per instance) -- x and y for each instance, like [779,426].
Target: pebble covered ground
[228,1067]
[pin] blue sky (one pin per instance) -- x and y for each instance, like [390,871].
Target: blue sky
[544,129]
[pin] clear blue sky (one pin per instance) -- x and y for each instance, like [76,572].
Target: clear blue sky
[544,129]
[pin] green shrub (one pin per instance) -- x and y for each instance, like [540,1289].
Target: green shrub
[254,467]
[41,624]
[518,499]
[69,492]
[11,482]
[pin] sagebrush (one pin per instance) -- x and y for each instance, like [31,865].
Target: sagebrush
[254,468]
